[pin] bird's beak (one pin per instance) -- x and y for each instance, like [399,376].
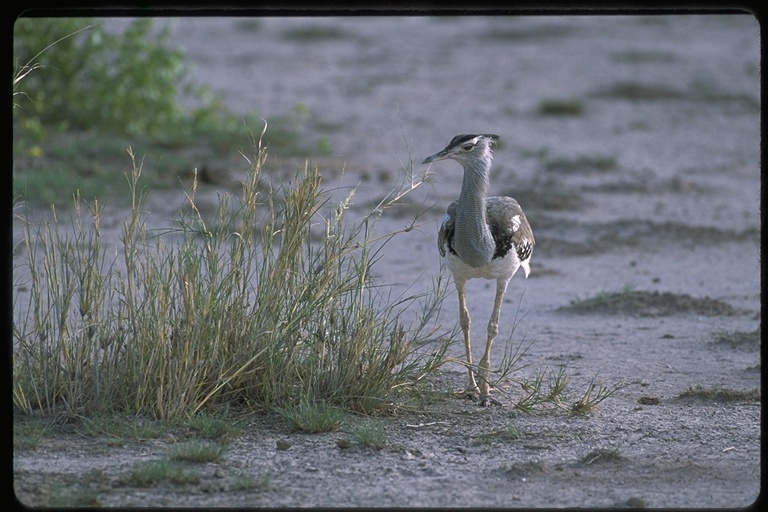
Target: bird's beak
[437,156]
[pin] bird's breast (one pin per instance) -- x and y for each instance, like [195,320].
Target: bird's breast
[499,268]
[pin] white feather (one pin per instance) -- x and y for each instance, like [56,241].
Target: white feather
[499,268]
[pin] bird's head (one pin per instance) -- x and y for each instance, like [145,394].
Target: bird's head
[465,148]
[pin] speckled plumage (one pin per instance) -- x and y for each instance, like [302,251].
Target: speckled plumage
[508,226]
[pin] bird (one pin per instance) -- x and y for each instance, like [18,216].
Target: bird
[481,237]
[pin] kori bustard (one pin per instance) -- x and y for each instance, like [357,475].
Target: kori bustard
[481,236]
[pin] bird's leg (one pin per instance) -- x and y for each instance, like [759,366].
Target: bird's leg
[493,330]
[461,286]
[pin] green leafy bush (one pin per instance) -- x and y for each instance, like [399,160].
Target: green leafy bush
[77,75]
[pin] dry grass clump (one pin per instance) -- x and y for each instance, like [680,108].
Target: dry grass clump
[245,309]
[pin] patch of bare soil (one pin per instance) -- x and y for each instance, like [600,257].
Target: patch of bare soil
[446,452]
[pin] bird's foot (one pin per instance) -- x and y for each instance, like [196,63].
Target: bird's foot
[486,401]
[481,399]
[472,393]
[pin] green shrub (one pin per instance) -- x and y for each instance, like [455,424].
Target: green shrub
[86,77]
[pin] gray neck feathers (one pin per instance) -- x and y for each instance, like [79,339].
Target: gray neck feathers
[472,240]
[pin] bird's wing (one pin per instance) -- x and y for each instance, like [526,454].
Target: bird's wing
[445,231]
[510,228]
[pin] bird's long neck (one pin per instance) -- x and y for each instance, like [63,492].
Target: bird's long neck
[472,240]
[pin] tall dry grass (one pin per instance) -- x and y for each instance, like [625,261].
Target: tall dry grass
[247,308]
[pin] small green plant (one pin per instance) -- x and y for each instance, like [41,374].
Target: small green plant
[509,433]
[546,390]
[314,34]
[313,417]
[584,163]
[592,396]
[636,91]
[247,482]
[649,303]
[196,451]
[213,427]
[643,56]
[560,107]
[69,496]
[370,434]
[524,470]
[740,339]
[121,426]
[154,472]
[29,434]
[602,455]
[602,298]
[721,394]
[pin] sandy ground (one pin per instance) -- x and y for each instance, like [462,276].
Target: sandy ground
[653,187]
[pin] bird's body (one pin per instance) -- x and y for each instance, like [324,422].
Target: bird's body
[481,237]
[511,234]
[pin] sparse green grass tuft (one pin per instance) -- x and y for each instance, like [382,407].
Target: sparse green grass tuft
[70,490]
[525,469]
[196,451]
[509,433]
[636,502]
[28,434]
[154,472]
[213,427]
[122,426]
[719,394]
[601,299]
[512,32]
[73,497]
[313,417]
[601,455]
[560,107]
[593,396]
[246,482]
[547,389]
[370,434]
[314,34]
[703,92]
[649,303]
[584,163]
[643,56]
[639,91]
[738,339]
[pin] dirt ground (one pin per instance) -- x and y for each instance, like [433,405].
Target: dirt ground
[633,144]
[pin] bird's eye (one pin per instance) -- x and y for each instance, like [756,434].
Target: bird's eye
[467,147]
